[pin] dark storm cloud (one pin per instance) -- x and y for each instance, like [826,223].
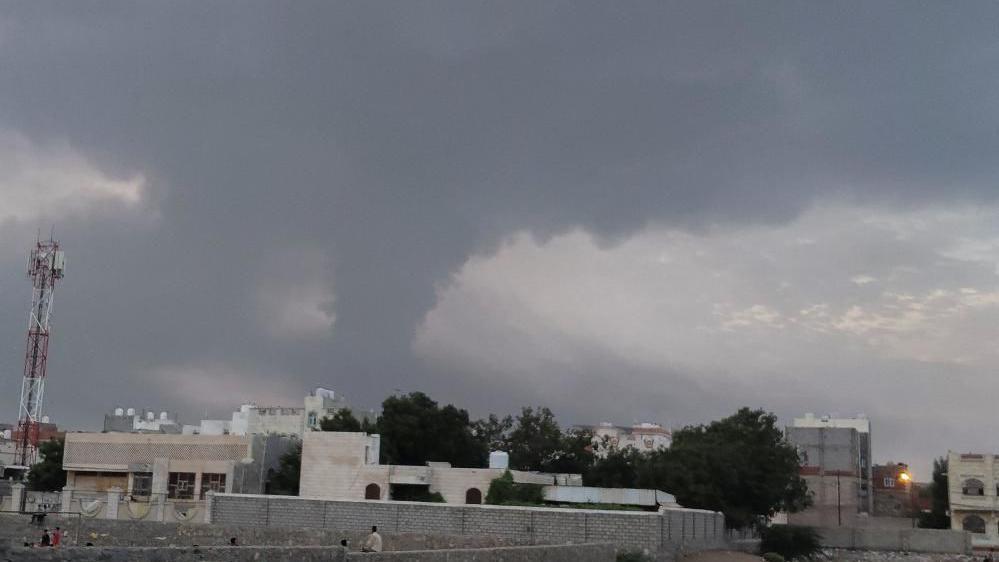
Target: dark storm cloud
[398,139]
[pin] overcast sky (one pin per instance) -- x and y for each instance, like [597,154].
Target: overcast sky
[638,211]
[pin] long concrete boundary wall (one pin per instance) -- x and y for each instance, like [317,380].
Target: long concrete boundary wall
[672,531]
[551,553]
[176,554]
[906,540]
[17,529]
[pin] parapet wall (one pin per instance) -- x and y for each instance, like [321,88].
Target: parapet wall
[673,530]
[905,540]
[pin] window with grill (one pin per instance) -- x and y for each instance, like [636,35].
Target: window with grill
[889,482]
[142,484]
[181,486]
[973,487]
[212,483]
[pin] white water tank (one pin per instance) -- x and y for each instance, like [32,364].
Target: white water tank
[119,412]
[130,412]
[45,419]
[499,459]
[150,416]
[163,416]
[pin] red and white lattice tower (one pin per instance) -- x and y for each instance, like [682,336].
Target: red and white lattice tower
[45,266]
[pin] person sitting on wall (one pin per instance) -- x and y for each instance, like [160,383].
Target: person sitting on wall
[343,543]
[46,541]
[232,542]
[374,541]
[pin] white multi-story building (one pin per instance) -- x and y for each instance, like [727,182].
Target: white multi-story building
[250,419]
[640,436]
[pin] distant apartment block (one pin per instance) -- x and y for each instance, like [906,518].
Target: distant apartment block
[836,465]
[250,419]
[895,492]
[640,436]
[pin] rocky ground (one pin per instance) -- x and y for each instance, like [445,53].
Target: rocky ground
[837,555]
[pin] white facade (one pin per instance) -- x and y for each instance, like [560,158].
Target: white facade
[252,419]
[644,436]
[860,423]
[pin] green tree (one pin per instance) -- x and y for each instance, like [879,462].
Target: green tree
[619,468]
[493,432]
[47,475]
[284,481]
[342,420]
[937,518]
[574,454]
[535,439]
[415,430]
[740,465]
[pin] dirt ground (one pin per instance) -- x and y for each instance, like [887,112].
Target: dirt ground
[721,556]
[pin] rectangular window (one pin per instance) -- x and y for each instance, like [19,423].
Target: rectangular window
[211,482]
[889,482]
[142,484]
[181,486]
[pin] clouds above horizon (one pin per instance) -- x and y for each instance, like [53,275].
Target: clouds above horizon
[662,210]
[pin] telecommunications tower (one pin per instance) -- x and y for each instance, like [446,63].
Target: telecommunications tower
[45,265]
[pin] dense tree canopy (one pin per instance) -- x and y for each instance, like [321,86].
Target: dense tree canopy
[342,420]
[47,475]
[414,430]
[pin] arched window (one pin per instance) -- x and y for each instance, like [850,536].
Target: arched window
[974,524]
[973,487]
[473,496]
[373,492]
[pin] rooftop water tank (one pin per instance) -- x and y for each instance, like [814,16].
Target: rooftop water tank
[163,416]
[130,412]
[45,419]
[119,412]
[499,459]
[150,416]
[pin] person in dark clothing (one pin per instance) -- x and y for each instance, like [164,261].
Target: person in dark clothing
[343,543]
[46,540]
[232,542]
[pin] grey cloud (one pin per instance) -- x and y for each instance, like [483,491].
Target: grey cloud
[403,138]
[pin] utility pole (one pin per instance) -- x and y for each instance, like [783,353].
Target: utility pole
[839,502]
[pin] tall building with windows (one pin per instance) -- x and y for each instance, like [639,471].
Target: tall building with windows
[972,480]
[836,465]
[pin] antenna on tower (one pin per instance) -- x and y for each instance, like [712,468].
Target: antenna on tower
[46,264]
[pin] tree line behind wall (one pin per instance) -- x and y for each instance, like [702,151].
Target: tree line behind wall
[740,465]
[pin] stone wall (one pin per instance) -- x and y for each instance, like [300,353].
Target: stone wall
[554,553]
[905,540]
[176,554]
[16,530]
[673,530]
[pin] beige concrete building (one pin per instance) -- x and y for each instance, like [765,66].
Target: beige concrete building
[974,499]
[344,466]
[169,466]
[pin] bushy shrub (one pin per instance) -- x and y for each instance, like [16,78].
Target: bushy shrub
[790,541]
[504,491]
[773,557]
